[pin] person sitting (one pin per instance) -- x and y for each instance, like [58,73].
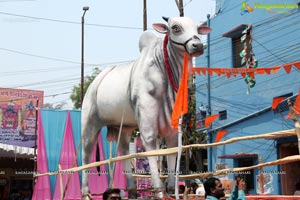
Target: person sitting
[214,190]
[297,187]
[112,194]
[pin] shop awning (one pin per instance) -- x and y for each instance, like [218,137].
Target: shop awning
[7,150]
[239,155]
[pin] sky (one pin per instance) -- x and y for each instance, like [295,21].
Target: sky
[40,40]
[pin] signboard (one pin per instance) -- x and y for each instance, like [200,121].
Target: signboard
[18,116]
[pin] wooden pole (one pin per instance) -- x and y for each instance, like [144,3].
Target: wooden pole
[261,177]
[61,183]
[111,184]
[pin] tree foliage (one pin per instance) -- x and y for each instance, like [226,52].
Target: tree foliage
[58,106]
[76,91]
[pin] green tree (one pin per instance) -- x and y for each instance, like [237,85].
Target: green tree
[76,91]
[58,106]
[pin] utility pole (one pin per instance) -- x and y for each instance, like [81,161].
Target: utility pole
[208,98]
[85,8]
[145,15]
[179,4]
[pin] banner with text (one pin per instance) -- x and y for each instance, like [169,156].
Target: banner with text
[18,116]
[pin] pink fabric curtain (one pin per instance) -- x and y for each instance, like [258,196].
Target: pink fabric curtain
[67,158]
[42,185]
[98,183]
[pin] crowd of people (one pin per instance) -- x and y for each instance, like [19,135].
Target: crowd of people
[212,190]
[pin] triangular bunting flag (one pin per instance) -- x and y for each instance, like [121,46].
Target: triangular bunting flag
[275,69]
[210,119]
[220,135]
[276,102]
[297,65]
[287,68]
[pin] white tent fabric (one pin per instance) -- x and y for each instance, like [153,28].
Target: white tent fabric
[7,150]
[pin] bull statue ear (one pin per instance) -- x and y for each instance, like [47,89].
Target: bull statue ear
[161,28]
[204,30]
[166,19]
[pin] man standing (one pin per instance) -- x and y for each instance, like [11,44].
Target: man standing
[214,190]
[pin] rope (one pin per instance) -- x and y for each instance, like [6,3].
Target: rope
[174,150]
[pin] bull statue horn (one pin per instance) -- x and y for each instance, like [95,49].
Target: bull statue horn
[166,18]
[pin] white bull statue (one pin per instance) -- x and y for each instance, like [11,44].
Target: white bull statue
[142,93]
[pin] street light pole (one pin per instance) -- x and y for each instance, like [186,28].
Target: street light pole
[85,8]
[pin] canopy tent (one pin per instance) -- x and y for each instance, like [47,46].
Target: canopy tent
[13,151]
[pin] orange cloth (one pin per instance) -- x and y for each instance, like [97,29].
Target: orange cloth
[181,103]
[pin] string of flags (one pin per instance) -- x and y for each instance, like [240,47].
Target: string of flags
[296,107]
[244,71]
[181,102]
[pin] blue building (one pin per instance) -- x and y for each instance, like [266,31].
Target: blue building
[266,33]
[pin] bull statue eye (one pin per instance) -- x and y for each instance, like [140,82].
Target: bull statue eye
[176,29]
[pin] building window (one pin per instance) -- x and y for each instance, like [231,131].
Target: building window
[242,54]
[237,48]
[223,115]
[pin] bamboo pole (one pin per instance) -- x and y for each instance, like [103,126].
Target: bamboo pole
[61,183]
[173,150]
[261,177]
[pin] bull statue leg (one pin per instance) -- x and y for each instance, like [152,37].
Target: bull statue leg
[148,126]
[124,150]
[90,130]
[172,141]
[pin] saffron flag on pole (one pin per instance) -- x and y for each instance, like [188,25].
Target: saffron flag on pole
[181,103]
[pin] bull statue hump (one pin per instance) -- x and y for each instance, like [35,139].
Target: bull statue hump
[142,93]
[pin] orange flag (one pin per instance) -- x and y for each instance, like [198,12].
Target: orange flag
[181,103]
[296,107]
[276,102]
[210,119]
[220,134]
